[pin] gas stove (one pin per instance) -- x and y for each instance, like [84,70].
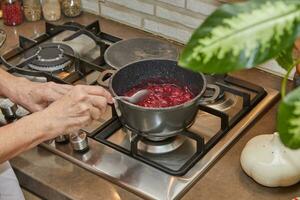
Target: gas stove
[156,169]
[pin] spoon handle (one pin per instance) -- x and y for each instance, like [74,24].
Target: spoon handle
[121,97]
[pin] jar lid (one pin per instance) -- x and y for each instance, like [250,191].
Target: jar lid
[10,1]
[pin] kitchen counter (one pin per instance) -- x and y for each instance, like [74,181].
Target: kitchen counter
[53,177]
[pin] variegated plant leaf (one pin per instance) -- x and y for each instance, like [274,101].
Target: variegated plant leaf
[285,58]
[242,35]
[288,119]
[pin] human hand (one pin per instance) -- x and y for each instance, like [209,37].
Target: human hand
[36,96]
[75,110]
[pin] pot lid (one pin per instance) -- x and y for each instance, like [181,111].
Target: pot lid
[127,51]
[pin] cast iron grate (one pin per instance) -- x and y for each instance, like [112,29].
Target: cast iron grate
[102,133]
[109,128]
[82,67]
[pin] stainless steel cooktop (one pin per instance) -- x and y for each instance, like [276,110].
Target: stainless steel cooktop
[154,170]
[145,180]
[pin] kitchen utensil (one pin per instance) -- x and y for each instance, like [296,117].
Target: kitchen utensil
[2,37]
[139,96]
[124,52]
[157,123]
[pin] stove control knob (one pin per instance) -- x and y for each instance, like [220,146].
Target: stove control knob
[8,108]
[79,141]
[62,139]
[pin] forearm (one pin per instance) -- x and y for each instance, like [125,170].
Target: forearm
[21,136]
[7,83]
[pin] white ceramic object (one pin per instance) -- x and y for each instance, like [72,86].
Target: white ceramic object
[269,162]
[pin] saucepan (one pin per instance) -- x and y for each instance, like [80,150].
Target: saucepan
[156,123]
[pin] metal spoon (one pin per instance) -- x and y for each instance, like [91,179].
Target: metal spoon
[137,97]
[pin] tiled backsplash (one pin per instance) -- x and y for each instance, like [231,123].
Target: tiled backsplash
[173,19]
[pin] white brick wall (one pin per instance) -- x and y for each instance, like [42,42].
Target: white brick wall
[201,6]
[121,15]
[91,6]
[173,19]
[181,18]
[179,3]
[162,17]
[135,5]
[171,31]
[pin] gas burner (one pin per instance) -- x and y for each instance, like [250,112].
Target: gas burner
[210,92]
[156,138]
[50,57]
[224,101]
[161,147]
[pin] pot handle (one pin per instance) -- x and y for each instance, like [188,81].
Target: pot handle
[206,100]
[104,77]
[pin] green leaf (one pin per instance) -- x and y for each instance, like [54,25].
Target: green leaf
[242,35]
[288,119]
[285,58]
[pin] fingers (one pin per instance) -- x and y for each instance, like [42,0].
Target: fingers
[95,105]
[98,106]
[99,102]
[98,91]
[95,113]
[78,108]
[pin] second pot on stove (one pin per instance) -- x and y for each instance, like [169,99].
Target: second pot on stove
[157,123]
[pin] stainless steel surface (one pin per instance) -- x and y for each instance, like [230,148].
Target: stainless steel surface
[8,108]
[135,98]
[127,51]
[161,147]
[140,178]
[224,103]
[82,45]
[150,182]
[2,37]
[79,141]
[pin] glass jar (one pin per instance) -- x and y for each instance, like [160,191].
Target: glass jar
[0,10]
[71,8]
[12,12]
[32,10]
[51,10]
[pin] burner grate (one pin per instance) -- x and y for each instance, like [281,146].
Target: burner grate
[107,130]
[49,57]
[82,67]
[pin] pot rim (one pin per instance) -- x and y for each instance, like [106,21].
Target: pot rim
[180,106]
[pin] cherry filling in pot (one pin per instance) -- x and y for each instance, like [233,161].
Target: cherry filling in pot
[162,95]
